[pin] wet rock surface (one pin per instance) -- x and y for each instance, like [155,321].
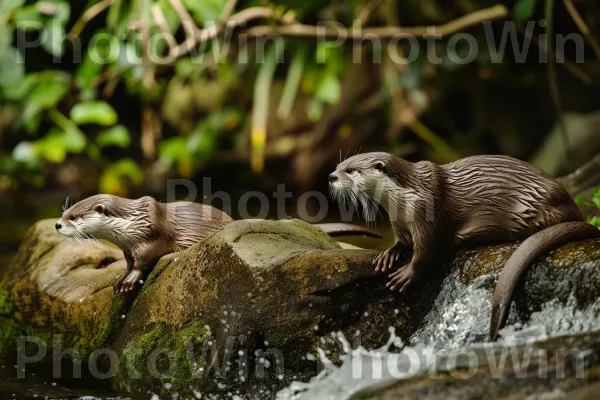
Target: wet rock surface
[246,309]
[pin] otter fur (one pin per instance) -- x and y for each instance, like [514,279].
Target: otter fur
[437,209]
[146,229]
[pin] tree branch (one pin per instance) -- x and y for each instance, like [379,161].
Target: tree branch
[290,28]
[386,32]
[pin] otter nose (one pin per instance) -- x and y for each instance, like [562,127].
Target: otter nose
[58,226]
[333,177]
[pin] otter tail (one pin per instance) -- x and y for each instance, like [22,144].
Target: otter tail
[341,229]
[533,247]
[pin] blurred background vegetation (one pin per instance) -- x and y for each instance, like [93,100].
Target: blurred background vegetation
[252,114]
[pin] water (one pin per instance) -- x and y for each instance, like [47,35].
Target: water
[457,325]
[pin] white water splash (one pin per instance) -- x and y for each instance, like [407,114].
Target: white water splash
[457,325]
[361,369]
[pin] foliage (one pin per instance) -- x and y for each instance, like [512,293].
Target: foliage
[101,83]
[595,203]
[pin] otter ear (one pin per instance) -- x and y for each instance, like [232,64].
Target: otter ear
[100,209]
[379,165]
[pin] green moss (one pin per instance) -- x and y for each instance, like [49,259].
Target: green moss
[5,301]
[85,345]
[160,337]
[153,276]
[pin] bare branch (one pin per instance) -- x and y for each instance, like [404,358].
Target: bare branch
[90,14]
[386,32]
[227,11]
[290,28]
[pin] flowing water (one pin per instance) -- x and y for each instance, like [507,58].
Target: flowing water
[457,325]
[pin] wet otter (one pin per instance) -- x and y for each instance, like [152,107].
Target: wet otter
[436,209]
[146,230]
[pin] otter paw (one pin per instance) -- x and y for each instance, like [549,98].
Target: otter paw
[119,283]
[402,279]
[130,281]
[385,260]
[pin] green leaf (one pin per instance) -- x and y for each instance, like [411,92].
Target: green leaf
[21,88]
[12,68]
[594,221]
[315,109]
[94,112]
[113,16]
[47,94]
[73,140]
[580,200]
[203,143]
[28,18]
[5,37]
[170,150]
[52,147]
[87,72]
[292,82]
[115,136]
[57,143]
[524,10]
[11,4]
[596,200]
[113,180]
[329,89]
[206,10]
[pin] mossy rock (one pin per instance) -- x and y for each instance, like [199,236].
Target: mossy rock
[253,293]
[256,289]
[57,287]
[570,270]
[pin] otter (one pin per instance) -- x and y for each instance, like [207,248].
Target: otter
[436,209]
[146,229]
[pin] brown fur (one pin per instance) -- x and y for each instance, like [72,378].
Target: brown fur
[143,228]
[436,209]
[146,230]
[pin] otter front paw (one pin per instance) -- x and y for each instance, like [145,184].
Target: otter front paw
[130,281]
[119,283]
[386,259]
[402,279]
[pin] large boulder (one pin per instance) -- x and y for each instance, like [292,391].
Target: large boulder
[256,293]
[54,286]
[246,309]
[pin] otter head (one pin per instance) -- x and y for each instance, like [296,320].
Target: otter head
[363,180]
[94,217]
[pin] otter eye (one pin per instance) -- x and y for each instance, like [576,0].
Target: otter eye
[350,170]
[73,217]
